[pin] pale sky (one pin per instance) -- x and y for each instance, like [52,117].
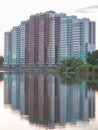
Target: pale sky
[12,12]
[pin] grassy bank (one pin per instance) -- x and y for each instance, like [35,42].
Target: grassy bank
[87,70]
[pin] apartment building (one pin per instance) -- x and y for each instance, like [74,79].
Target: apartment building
[82,39]
[8,48]
[15,45]
[22,42]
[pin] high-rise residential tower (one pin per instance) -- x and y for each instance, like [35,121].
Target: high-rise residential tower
[8,48]
[22,42]
[16,45]
[51,40]
[83,38]
[63,37]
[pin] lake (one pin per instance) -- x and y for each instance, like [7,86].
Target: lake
[44,101]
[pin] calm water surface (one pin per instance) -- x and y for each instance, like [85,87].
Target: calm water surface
[44,101]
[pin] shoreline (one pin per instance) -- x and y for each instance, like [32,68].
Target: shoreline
[41,69]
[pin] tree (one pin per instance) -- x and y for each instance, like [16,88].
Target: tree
[69,64]
[1,60]
[89,57]
[76,62]
[92,58]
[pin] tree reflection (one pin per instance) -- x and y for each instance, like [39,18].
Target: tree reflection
[71,79]
[1,76]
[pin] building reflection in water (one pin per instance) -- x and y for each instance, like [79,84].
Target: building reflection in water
[46,101]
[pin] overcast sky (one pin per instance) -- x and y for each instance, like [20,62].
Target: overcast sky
[12,12]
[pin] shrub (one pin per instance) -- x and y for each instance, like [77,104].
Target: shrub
[90,68]
[95,68]
[70,69]
[85,68]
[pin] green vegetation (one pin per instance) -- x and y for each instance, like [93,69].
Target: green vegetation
[92,58]
[1,60]
[91,81]
[69,79]
[87,67]
[68,65]
[73,71]
[75,65]
[1,76]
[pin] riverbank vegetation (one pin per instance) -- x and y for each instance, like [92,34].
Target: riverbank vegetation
[68,65]
[1,60]
[75,65]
